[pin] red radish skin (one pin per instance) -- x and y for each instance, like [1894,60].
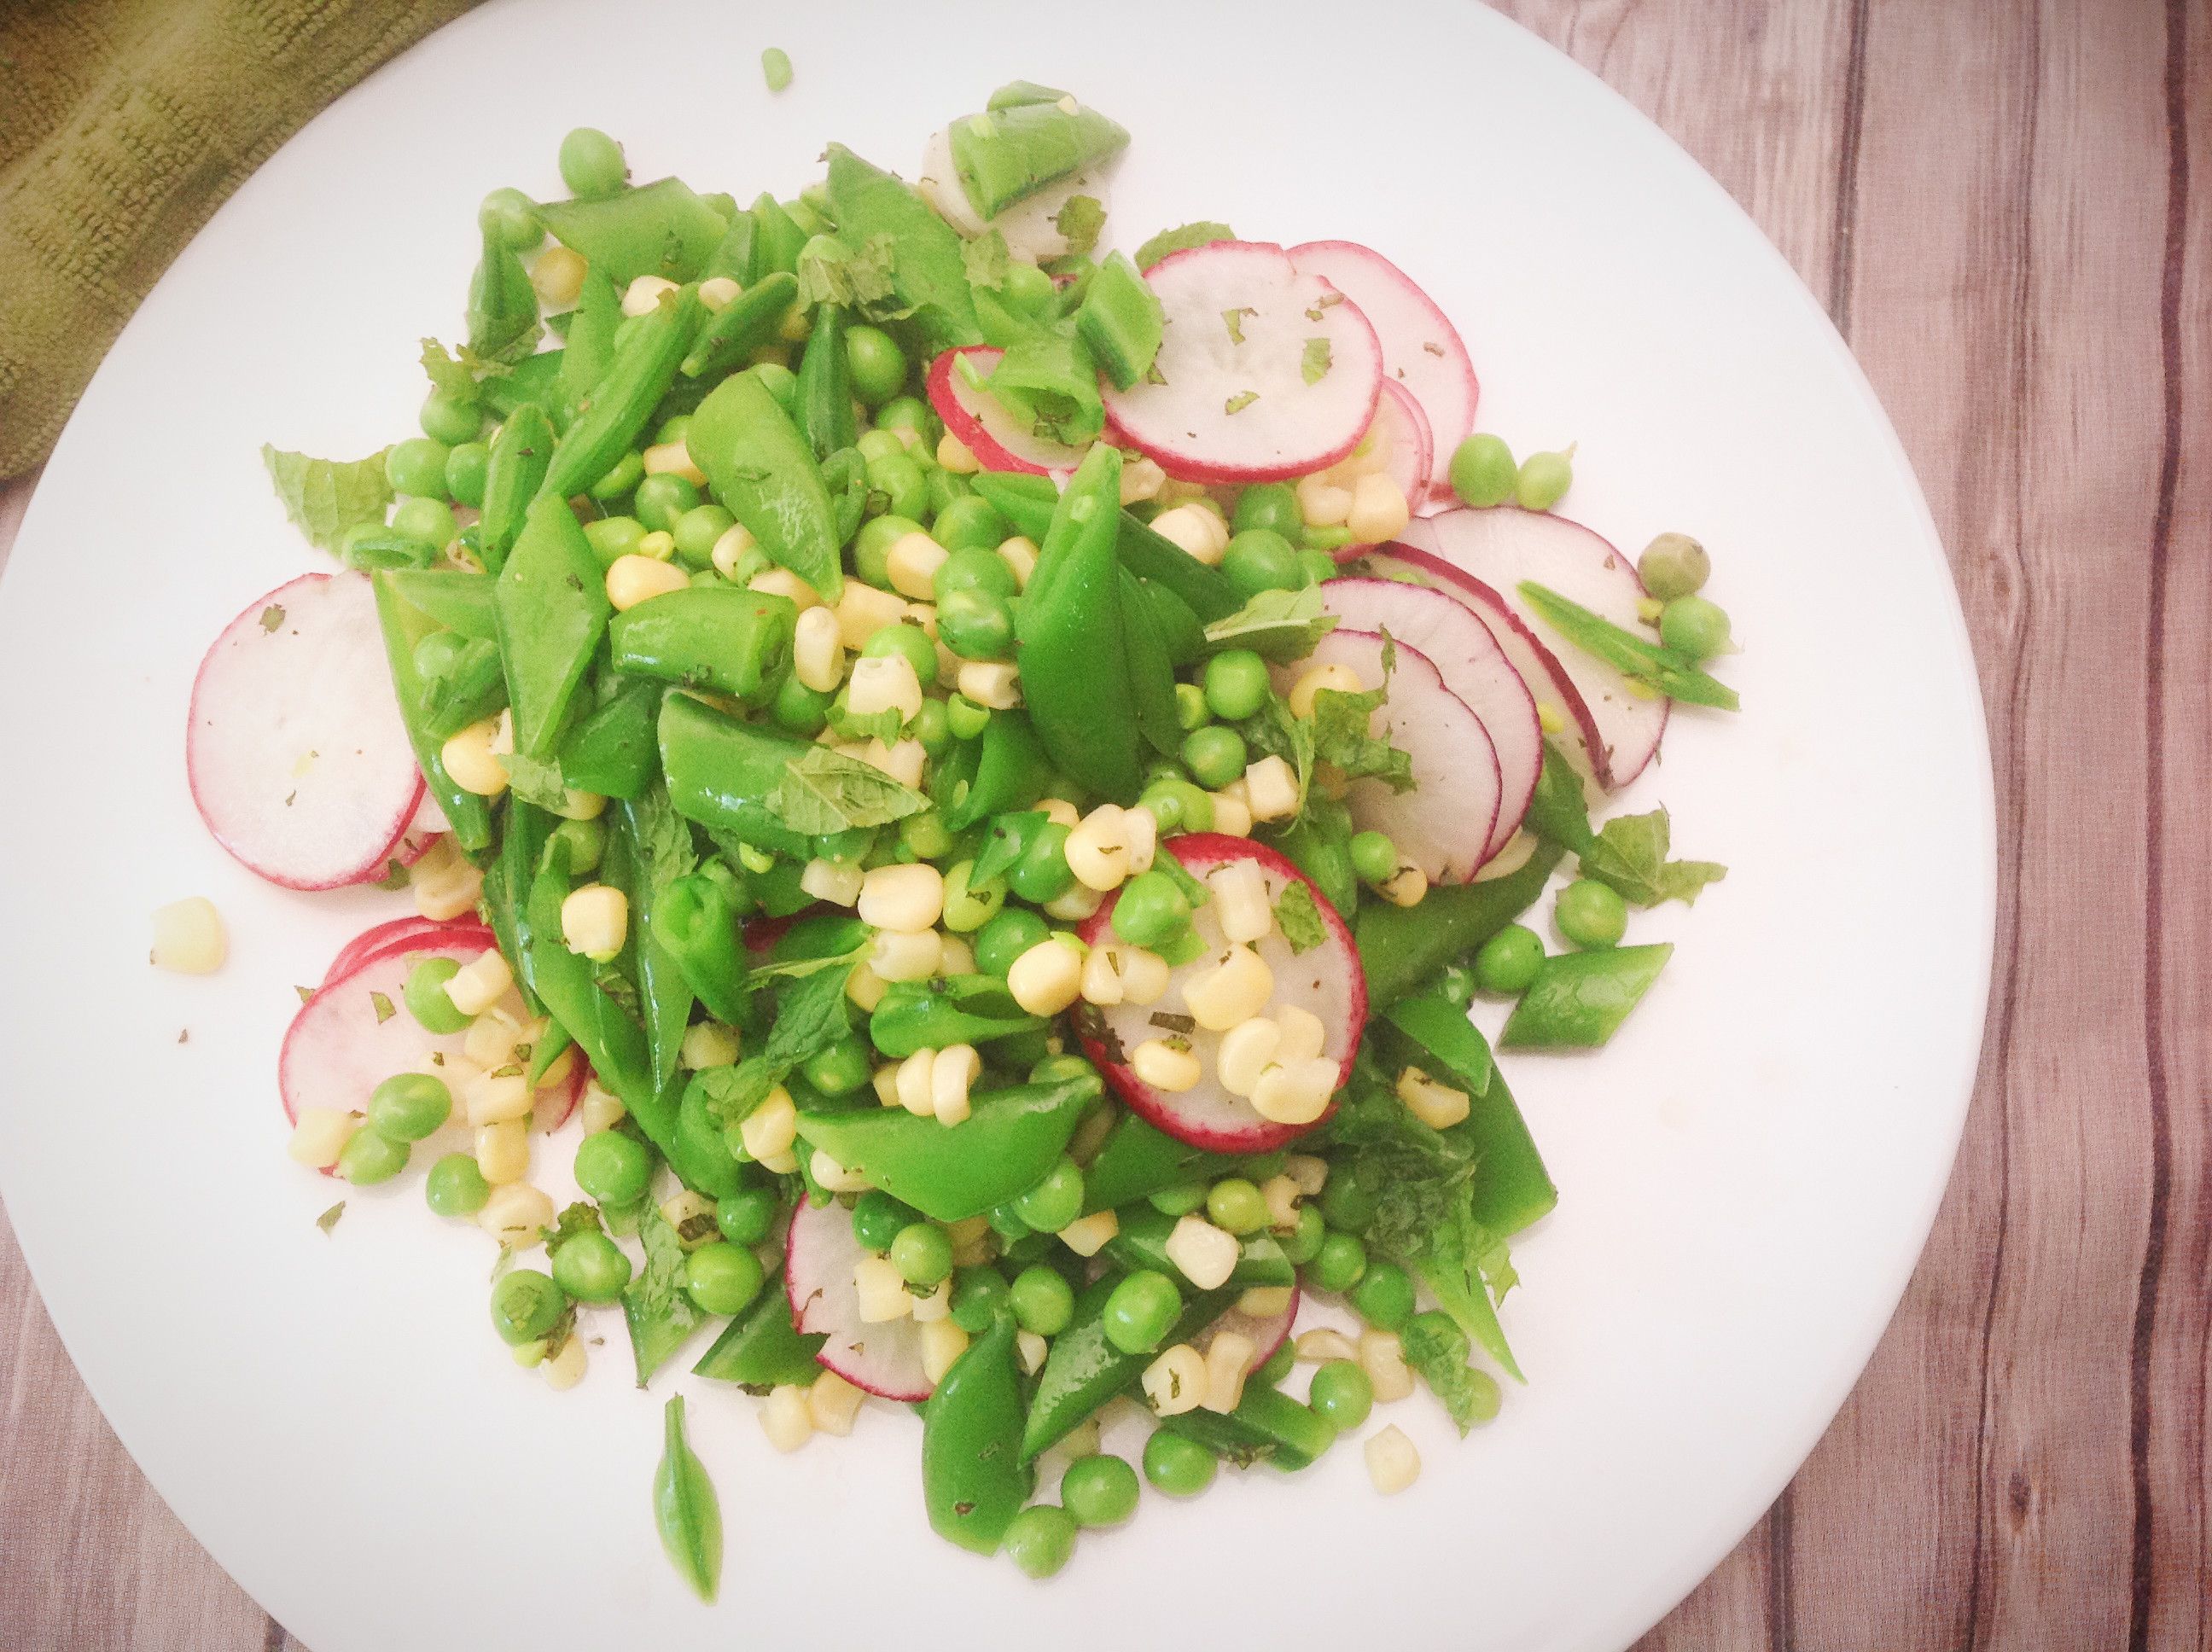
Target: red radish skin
[400,934]
[1268,1334]
[1421,349]
[555,1108]
[1445,825]
[294,750]
[1326,980]
[991,432]
[1459,642]
[1181,417]
[1498,549]
[337,1050]
[1401,422]
[820,1253]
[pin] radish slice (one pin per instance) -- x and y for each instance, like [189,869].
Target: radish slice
[401,933]
[1445,825]
[1268,1334]
[1325,981]
[993,433]
[1421,348]
[1224,406]
[1458,641]
[1400,432]
[820,1253]
[355,1033]
[552,1107]
[1497,550]
[296,756]
[1029,225]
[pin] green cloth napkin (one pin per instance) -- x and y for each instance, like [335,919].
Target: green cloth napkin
[124,123]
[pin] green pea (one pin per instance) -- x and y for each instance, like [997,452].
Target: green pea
[621,477]
[964,718]
[1339,1263]
[1483,471]
[430,521]
[592,164]
[1178,1465]
[1043,1301]
[409,1106]
[662,498]
[1178,806]
[1041,1538]
[1042,873]
[1260,559]
[1099,1490]
[878,364]
[878,1219]
[976,624]
[923,1253]
[879,444]
[1674,565]
[613,1168]
[1591,915]
[899,477]
[1191,709]
[1272,506]
[1695,626]
[1029,290]
[747,1216]
[909,413]
[370,1156]
[583,841]
[969,522]
[1179,1200]
[778,379]
[723,1277]
[456,1186]
[978,1293]
[972,568]
[525,1304]
[872,547]
[698,529]
[427,1000]
[417,467]
[1151,910]
[931,726]
[612,538]
[1348,1202]
[1054,1200]
[1325,542]
[1005,937]
[841,1070]
[909,642]
[591,1267]
[1140,1311]
[1374,856]
[1342,1395]
[968,905]
[453,422]
[510,217]
[675,427]
[466,466]
[1509,960]
[1384,1295]
[1316,567]
[1236,1205]
[1237,686]
[1278,1365]
[798,709]
[1544,480]
[1302,1243]
[1215,756]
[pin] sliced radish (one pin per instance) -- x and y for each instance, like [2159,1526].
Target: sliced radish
[1498,549]
[1234,396]
[553,1106]
[1421,348]
[1458,641]
[1401,436]
[1029,225]
[429,819]
[355,1033]
[990,430]
[820,1253]
[1445,825]
[1325,981]
[295,753]
[400,935]
[1267,1334]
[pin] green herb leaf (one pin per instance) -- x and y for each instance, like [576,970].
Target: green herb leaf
[324,497]
[730,1094]
[1316,363]
[775,68]
[1662,670]
[1298,918]
[1341,737]
[382,1005]
[798,969]
[1559,812]
[883,724]
[1234,320]
[658,1311]
[449,378]
[1271,731]
[329,1219]
[1079,223]
[1630,854]
[272,617]
[986,260]
[1438,1349]
[536,779]
[1278,625]
[824,791]
[685,1509]
[830,272]
[1180,239]
[1240,401]
[582,1217]
[811,1017]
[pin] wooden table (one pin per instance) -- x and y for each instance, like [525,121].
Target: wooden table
[1994,200]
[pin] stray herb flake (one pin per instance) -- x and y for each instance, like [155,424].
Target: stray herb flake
[775,68]
[1316,363]
[306,995]
[329,1219]
[1240,401]
[1325,302]
[382,1005]
[273,616]
[1234,320]
[1298,918]
[1169,1021]
[1079,223]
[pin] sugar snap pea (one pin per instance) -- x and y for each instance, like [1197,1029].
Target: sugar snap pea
[619,407]
[763,472]
[740,327]
[520,455]
[707,637]
[552,608]
[656,229]
[974,1478]
[404,626]
[685,1509]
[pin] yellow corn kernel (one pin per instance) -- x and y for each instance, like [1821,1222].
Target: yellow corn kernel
[817,653]
[837,882]
[673,459]
[517,1215]
[470,760]
[771,1127]
[834,1177]
[886,1082]
[1195,530]
[490,1041]
[1087,1235]
[906,898]
[1032,1349]
[1264,1302]
[1166,1064]
[1140,479]
[1228,1357]
[445,882]
[942,1343]
[782,582]
[320,1135]
[912,563]
[566,1368]
[1240,900]
[659,544]
[952,1075]
[1074,904]
[1393,1464]
[863,611]
[833,1403]
[601,1109]
[1204,1254]
[1141,832]
[1378,510]
[954,455]
[881,1290]
[643,295]
[1322,503]
[994,685]
[1060,812]
[635,578]
[1097,850]
[1321,1345]
[1101,975]
[708,1044]
[936,1305]
[1520,849]
[1232,815]
[897,956]
[959,958]
[786,1418]
[1295,1092]
[1145,974]
[1176,1382]
[1407,887]
[1046,979]
[189,938]
[1080,1442]
[1382,1356]
[478,984]
[503,1152]
[729,551]
[903,761]
[910,1084]
[866,988]
[1282,1196]
[1247,1051]
[1337,679]
[718,293]
[558,277]
[1019,554]
[595,922]
[1304,1038]
[1435,1105]
[1308,1170]
[1234,989]
[1271,787]
[498,1098]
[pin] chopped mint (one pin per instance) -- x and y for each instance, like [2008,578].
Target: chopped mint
[1298,918]
[1181,240]
[775,68]
[1316,363]
[1079,223]
[324,497]
[1240,401]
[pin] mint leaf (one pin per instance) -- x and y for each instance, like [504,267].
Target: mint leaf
[1341,737]
[830,272]
[1181,238]
[798,969]
[535,780]
[449,378]
[1278,625]
[1079,223]
[811,1016]
[658,1311]
[324,497]
[1315,364]
[986,260]
[824,791]
[1271,731]
[1298,918]
[1233,320]
[1436,1347]
[730,1094]
[883,724]
[1630,854]
[582,1217]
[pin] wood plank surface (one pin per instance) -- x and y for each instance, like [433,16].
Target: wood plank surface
[2006,208]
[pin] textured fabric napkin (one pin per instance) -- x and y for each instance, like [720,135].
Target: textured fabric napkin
[124,123]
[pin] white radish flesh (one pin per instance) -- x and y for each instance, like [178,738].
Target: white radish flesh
[356,1032]
[820,1253]
[1029,226]
[990,429]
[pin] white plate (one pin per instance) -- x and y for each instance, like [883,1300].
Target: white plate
[1747,1173]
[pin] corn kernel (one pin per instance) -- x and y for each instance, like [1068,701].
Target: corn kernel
[863,611]
[771,1127]
[1097,850]
[1264,1302]
[954,455]
[558,277]
[1282,1196]
[673,459]
[902,762]
[503,1152]
[818,655]
[189,938]
[691,1213]
[1145,974]
[866,988]
[445,882]
[897,956]
[718,293]
[320,1135]
[942,1343]
[470,761]
[1195,530]
[910,1084]
[1060,812]
[1383,1359]
[786,1418]
[1240,900]
[1232,815]
[1321,1345]
[1270,786]
[601,1108]
[1407,887]
[595,922]
[708,1044]
[1140,480]
[635,578]
[833,1403]
[1309,1171]
[643,295]
[1046,979]
[1032,1349]
[1176,1382]
[1019,554]
[1378,511]
[912,563]
[1247,1051]
[959,958]
[1393,1464]
[1166,1064]
[1141,832]
[952,1075]
[1228,1357]
[1303,1036]
[837,882]
[495,1098]
[1087,1235]
[1295,1092]
[1074,904]
[1435,1105]
[881,1290]
[782,582]
[1101,976]
[566,1368]
[729,553]
[1322,503]
[1203,1254]
[906,898]
[517,1215]
[1235,988]
[994,684]
[478,985]
[884,683]
[1336,679]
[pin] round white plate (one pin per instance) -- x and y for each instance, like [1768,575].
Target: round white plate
[1747,1173]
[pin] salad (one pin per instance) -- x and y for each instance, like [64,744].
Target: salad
[957,787]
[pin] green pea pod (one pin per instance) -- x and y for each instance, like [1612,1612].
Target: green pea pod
[825,385]
[1142,1242]
[1511,1187]
[470,688]
[404,625]
[723,773]
[367,552]
[702,1158]
[974,1481]
[1001,157]
[741,326]
[718,636]
[552,606]
[507,895]
[656,229]
[820,935]
[1011,772]
[591,345]
[657,851]
[619,407]
[761,1349]
[1139,1160]
[1009,1139]
[1268,1426]
[845,474]
[765,474]
[453,598]
[1027,502]
[1121,320]
[1179,627]
[929,271]
[1007,842]
[1084,1370]
[1318,843]
[917,1014]
[535,380]
[1151,671]
[685,1509]
[1665,670]
[1401,947]
[1077,679]
[1579,1000]
[737,255]
[520,455]
[695,922]
[1046,377]
[1014,94]
[780,235]
[503,304]
[612,751]
[608,1033]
